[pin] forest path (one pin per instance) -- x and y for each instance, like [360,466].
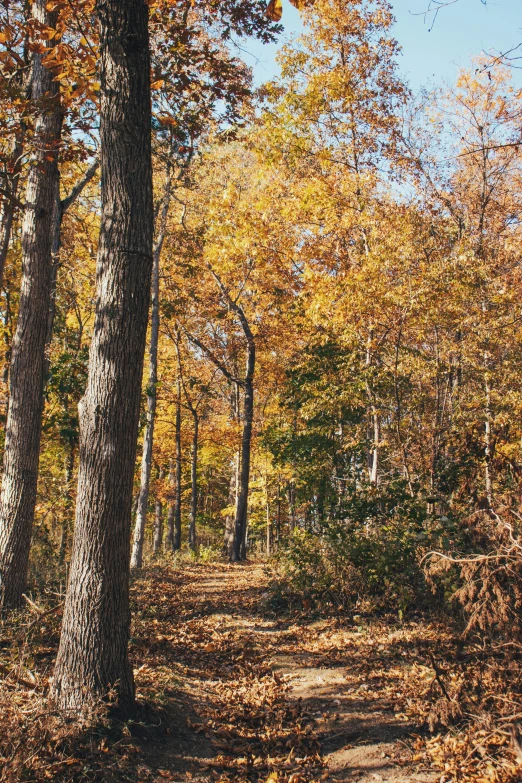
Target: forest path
[251,696]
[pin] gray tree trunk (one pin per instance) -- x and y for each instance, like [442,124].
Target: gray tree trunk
[24,418]
[92,657]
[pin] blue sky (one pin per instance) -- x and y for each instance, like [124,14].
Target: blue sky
[431,51]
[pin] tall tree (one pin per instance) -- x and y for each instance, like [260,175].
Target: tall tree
[92,656]
[24,420]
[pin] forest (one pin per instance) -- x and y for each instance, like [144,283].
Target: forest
[260,399]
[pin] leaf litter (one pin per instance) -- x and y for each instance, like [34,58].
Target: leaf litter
[229,691]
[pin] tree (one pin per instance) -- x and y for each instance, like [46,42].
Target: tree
[92,656]
[24,420]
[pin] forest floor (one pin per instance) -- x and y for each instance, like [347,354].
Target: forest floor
[230,690]
[266,697]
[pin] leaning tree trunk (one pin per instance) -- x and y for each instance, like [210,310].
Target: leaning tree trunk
[152,396]
[194,484]
[24,418]
[239,550]
[92,657]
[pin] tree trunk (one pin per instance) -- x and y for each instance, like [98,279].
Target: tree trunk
[158,523]
[244,475]
[267,526]
[291,505]
[169,538]
[24,418]
[59,209]
[487,434]
[233,496]
[69,471]
[148,441]
[92,657]
[194,483]
[177,508]
[8,206]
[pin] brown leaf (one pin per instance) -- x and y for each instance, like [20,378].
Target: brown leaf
[274,10]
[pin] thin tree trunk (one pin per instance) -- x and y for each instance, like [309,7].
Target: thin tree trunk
[233,496]
[148,441]
[291,504]
[376,435]
[169,538]
[240,522]
[9,203]
[158,527]
[59,209]
[268,537]
[24,418]
[487,435]
[244,475]
[69,470]
[92,657]
[194,484]
[158,523]
[177,508]
[374,473]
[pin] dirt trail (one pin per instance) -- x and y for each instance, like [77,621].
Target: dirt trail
[250,696]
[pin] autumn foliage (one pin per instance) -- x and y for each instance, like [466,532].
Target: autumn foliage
[332,384]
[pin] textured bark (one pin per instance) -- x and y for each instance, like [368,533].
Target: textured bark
[24,418]
[92,657]
[192,541]
[152,396]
